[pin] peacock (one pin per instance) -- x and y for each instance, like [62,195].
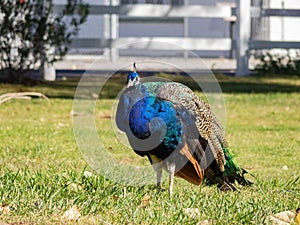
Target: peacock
[168,123]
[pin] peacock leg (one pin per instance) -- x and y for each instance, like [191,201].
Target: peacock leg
[157,166]
[171,170]
[158,169]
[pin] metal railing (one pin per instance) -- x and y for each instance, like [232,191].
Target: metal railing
[242,14]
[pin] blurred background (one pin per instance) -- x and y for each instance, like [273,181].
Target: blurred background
[235,37]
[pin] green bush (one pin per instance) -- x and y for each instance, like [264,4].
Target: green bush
[31,34]
[278,64]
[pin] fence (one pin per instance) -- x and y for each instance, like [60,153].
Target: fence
[243,12]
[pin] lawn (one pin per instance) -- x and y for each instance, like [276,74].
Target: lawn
[43,172]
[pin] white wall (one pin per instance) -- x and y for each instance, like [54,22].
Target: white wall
[150,29]
[287,28]
[280,28]
[197,27]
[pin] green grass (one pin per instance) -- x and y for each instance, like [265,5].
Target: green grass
[42,169]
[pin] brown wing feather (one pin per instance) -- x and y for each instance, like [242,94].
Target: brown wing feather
[191,171]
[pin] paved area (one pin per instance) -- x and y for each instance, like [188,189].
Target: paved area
[84,62]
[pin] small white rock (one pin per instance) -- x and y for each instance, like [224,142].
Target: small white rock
[192,212]
[285,167]
[72,214]
[87,174]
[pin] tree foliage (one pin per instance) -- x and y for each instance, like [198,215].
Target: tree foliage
[31,33]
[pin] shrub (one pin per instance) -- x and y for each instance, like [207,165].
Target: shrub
[32,35]
[278,64]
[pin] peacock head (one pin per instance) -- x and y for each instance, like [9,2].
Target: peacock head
[133,78]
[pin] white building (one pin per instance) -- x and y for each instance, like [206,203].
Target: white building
[273,28]
[285,28]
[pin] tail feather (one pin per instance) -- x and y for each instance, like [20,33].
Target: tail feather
[232,173]
[213,178]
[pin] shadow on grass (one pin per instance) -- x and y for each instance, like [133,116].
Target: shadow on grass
[258,87]
[251,84]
